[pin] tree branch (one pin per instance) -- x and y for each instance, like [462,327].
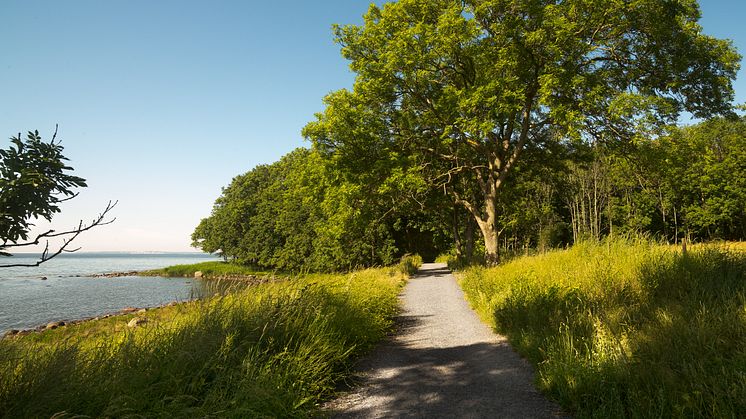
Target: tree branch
[73,234]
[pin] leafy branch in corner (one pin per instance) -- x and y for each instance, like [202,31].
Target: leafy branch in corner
[68,237]
[34,180]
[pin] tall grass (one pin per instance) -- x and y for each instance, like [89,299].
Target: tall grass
[409,264]
[274,350]
[626,328]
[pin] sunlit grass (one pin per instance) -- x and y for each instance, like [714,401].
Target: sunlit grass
[271,350]
[626,328]
[208,269]
[409,264]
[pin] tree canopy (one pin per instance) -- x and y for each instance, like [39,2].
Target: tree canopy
[461,89]
[535,123]
[300,213]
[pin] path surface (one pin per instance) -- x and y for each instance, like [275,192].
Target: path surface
[444,362]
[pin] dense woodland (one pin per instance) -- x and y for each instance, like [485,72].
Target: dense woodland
[303,212]
[485,127]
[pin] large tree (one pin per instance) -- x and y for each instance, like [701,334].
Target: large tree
[464,87]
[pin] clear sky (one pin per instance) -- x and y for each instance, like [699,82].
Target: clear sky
[161,103]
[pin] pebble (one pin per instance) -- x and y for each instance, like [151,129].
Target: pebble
[137,321]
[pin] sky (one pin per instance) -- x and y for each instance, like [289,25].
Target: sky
[161,103]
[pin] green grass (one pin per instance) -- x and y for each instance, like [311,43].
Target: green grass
[409,264]
[273,350]
[626,328]
[209,270]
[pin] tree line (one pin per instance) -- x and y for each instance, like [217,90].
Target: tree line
[300,213]
[492,125]
[304,212]
[690,185]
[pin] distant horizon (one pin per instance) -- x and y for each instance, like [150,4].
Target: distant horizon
[133,252]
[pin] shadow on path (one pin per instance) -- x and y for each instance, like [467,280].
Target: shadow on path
[436,270]
[443,362]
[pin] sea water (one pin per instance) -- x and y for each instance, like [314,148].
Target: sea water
[71,292]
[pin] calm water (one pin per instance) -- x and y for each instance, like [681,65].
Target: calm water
[70,293]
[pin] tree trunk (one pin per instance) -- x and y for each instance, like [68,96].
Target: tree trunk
[469,240]
[491,246]
[456,234]
[488,226]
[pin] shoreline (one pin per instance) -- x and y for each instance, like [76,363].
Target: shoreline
[248,280]
[15,333]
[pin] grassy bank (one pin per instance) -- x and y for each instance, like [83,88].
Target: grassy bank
[213,269]
[271,350]
[625,328]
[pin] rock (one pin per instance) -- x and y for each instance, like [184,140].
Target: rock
[53,325]
[128,310]
[11,332]
[171,304]
[116,274]
[198,274]
[43,278]
[137,321]
[142,310]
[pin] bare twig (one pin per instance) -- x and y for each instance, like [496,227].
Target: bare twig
[71,235]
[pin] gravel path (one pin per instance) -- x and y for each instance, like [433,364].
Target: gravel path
[444,362]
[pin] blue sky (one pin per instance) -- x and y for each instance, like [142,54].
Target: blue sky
[161,103]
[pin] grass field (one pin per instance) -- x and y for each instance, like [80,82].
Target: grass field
[271,350]
[626,328]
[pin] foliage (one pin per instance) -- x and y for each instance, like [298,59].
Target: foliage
[300,214]
[626,328]
[33,182]
[706,179]
[268,351]
[689,184]
[460,89]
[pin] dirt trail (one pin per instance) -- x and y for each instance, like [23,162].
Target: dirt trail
[443,362]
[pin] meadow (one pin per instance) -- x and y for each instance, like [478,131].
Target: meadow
[271,350]
[626,328]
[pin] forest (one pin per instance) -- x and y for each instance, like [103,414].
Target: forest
[305,212]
